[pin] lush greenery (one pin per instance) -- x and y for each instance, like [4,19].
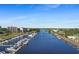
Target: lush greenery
[34,30]
[70,31]
[67,31]
[4,30]
[6,34]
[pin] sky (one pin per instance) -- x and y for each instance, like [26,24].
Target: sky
[40,15]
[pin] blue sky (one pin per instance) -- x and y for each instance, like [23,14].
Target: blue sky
[40,15]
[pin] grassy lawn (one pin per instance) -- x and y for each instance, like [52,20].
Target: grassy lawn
[11,35]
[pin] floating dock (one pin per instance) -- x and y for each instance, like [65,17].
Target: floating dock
[14,48]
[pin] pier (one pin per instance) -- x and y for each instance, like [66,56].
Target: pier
[23,40]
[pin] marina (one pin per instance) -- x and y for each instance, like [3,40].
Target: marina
[16,43]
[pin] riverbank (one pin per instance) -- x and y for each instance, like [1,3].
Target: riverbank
[45,43]
[74,43]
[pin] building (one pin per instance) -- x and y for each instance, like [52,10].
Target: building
[24,29]
[0,27]
[76,36]
[55,30]
[71,37]
[13,29]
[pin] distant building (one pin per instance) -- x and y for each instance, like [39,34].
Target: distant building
[24,29]
[0,27]
[76,35]
[13,29]
[55,30]
[71,37]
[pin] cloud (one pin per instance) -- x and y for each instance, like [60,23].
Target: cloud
[46,7]
[52,5]
[75,21]
[39,6]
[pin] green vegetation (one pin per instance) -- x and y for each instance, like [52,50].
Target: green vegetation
[67,31]
[6,34]
[34,30]
[3,30]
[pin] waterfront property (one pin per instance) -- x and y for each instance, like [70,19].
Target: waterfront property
[41,41]
[71,35]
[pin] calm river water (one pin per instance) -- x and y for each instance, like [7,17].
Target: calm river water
[45,43]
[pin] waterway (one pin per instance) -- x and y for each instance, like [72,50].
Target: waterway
[46,43]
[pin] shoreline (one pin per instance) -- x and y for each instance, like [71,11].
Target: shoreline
[72,42]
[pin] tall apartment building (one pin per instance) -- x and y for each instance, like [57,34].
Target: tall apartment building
[13,29]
